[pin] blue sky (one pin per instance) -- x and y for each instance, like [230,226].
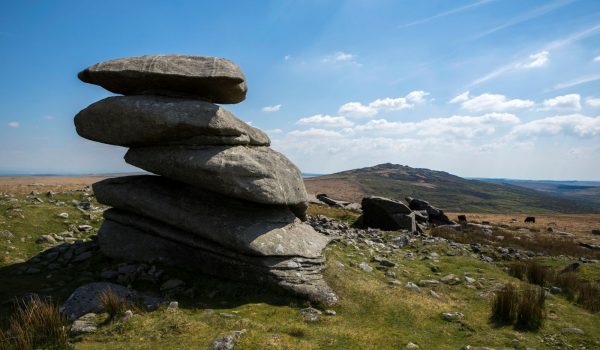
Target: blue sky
[477,88]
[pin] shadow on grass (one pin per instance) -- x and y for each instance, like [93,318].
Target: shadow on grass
[49,276]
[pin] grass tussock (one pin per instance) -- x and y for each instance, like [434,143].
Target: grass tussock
[112,303]
[505,303]
[517,270]
[35,325]
[530,311]
[588,296]
[523,307]
[537,274]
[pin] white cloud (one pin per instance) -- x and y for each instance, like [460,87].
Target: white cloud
[574,124]
[271,109]
[312,132]
[490,102]
[287,57]
[596,59]
[460,98]
[570,101]
[49,117]
[358,110]
[342,58]
[325,120]
[274,131]
[13,125]
[537,60]
[593,101]
[448,127]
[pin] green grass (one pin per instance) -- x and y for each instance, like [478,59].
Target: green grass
[371,314]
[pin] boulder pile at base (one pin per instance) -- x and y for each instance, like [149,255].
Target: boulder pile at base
[391,215]
[224,203]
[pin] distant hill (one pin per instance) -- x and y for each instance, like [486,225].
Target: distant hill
[586,190]
[450,192]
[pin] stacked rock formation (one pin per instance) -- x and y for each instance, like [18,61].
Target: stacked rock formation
[225,203]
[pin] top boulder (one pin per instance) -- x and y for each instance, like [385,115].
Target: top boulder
[211,79]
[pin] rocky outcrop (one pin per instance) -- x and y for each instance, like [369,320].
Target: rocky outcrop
[225,203]
[387,214]
[435,216]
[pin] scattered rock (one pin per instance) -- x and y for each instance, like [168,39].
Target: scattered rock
[45,239]
[63,215]
[365,267]
[411,346]
[86,298]
[310,314]
[84,324]
[572,330]
[174,305]
[227,342]
[411,286]
[451,279]
[452,316]
[387,214]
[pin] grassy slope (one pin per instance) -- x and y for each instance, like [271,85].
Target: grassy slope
[454,193]
[371,314]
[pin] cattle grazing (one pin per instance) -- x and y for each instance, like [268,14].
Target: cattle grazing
[462,218]
[530,219]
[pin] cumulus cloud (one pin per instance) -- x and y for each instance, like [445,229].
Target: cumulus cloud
[358,110]
[597,59]
[593,101]
[453,126]
[13,125]
[570,101]
[490,102]
[271,109]
[313,132]
[574,124]
[325,120]
[536,60]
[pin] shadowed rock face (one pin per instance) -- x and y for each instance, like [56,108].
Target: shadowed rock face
[211,79]
[153,120]
[387,214]
[256,174]
[245,227]
[298,275]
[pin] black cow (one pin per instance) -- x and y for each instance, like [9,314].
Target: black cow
[530,219]
[462,218]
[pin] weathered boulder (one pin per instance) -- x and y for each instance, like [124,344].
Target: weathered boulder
[256,174]
[295,274]
[209,78]
[435,215]
[86,298]
[154,120]
[387,214]
[248,228]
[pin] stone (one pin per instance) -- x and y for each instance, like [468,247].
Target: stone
[485,230]
[6,234]
[84,228]
[428,283]
[83,256]
[452,316]
[572,330]
[86,299]
[172,284]
[383,261]
[450,279]
[256,174]
[227,342]
[387,214]
[174,305]
[134,121]
[298,275]
[365,267]
[45,239]
[248,229]
[310,314]
[330,312]
[209,78]
[63,215]
[411,346]
[413,287]
[127,316]
[84,324]
[435,215]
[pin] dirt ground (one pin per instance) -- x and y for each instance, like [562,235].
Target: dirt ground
[26,184]
[341,189]
[579,224]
